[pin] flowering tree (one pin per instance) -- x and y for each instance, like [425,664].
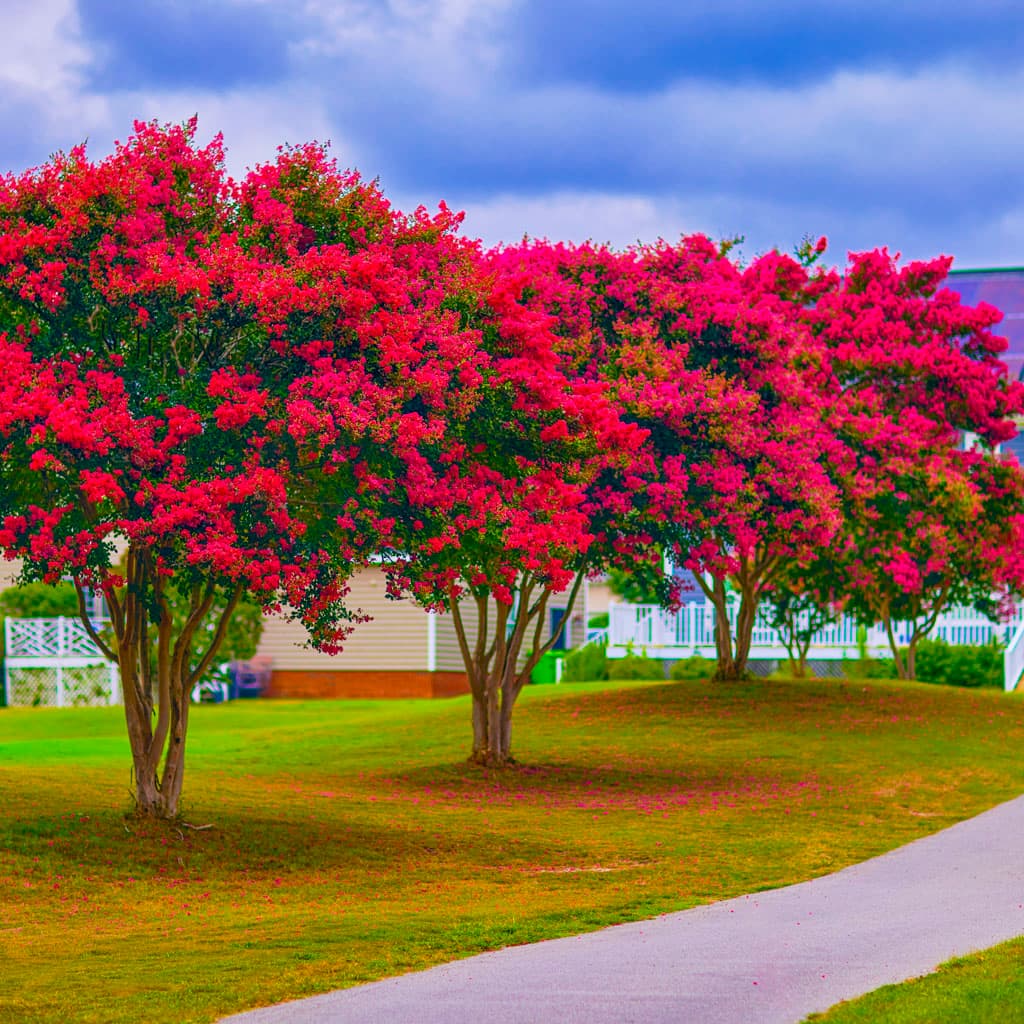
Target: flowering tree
[947,534]
[802,602]
[503,516]
[911,371]
[175,380]
[706,361]
[763,499]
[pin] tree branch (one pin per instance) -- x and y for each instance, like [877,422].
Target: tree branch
[89,628]
[218,638]
[460,634]
[164,629]
[570,604]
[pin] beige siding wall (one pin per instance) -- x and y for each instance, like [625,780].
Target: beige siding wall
[599,595]
[8,572]
[394,640]
[449,657]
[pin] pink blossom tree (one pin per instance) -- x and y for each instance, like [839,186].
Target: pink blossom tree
[910,371]
[508,516]
[707,361]
[176,381]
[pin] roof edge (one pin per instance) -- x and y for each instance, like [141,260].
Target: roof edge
[986,270]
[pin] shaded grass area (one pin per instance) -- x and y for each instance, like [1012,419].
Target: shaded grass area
[350,840]
[977,989]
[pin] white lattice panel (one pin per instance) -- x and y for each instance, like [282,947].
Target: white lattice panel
[54,662]
[33,638]
[49,638]
[49,686]
[32,687]
[76,642]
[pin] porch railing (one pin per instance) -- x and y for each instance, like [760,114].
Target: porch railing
[691,630]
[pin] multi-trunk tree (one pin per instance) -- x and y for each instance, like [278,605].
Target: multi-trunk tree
[505,520]
[907,373]
[176,381]
[801,603]
[700,356]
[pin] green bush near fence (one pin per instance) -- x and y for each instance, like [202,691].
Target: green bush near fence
[694,667]
[869,668]
[939,662]
[586,664]
[635,666]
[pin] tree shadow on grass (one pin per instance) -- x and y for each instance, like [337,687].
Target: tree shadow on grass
[600,784]
[108,846]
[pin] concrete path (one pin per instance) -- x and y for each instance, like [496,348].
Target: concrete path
[771,957]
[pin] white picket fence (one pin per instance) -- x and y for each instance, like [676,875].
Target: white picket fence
[54,663]
[691,630]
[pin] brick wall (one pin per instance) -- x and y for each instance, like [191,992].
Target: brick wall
[366,684]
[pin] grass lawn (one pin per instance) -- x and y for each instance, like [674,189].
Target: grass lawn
[976,989]
[349,840]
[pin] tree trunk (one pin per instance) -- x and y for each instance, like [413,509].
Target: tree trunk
[732,656]
[901,665]
[920,632]
[174,759]
[157,723]
[796,659]
[796,643]
[158,782]
[726,667]
[492,733]
[495,670]
[745,630]
[800,672]
[480,743]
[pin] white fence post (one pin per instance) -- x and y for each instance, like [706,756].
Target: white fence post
[7,670]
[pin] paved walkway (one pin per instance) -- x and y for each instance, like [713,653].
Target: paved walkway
[771,957]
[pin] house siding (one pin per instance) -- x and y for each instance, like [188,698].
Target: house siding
[394,640]
[388,656]
[449,656]
[9,572]
[599,597]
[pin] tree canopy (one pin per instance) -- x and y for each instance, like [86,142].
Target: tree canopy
[258,386]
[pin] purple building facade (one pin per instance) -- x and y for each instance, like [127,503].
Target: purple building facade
[1003,288]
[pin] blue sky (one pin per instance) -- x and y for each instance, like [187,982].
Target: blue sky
[870,122]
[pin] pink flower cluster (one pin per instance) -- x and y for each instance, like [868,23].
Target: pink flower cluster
[268,382]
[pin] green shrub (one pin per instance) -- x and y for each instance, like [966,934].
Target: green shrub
[635,666]
[39,600]
[939,662]
[599,621]
[588,663]
[695,667]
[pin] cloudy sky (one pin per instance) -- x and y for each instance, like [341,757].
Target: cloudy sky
[871,122]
